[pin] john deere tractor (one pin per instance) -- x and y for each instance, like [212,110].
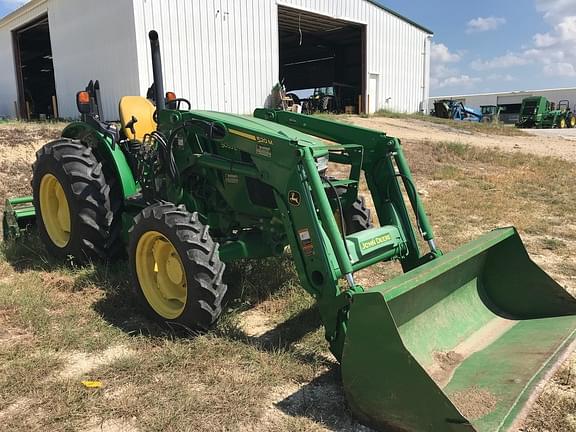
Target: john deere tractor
[184,192]
[538,112]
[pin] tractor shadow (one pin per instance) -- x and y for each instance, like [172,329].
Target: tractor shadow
[250,283]
[322,400]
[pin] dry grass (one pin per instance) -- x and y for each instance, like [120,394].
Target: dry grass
[60,325]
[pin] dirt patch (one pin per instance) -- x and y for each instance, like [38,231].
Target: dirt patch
[79,364]
[113,425]
[474,402]
[255,323]
[14,408]
[318,407]
[445,364]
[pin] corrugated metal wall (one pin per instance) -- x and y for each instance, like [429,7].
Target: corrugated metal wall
[88,42]
[223,54]
[8,86]
[220,54]
[93,40]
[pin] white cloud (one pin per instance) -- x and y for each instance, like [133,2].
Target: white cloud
[560,69]
[460,81]
[544,40]
[500,77]
[441,54]
[554,50]
[481,24]
[555,10]
[444,70]
[501,62]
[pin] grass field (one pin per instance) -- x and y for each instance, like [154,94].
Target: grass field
[265,367]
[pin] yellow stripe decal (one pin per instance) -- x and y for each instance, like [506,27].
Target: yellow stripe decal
[242,134]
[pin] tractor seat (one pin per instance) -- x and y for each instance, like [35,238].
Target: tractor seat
[143,110]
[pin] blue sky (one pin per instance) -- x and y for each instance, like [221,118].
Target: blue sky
[491,45]
[488,45]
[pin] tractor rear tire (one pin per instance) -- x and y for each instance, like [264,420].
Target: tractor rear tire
[175,268]
[357,217]
[78,212]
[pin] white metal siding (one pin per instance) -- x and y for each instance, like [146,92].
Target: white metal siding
[223,54]
[8,85]
[90,40]
[93,40]
[220,54]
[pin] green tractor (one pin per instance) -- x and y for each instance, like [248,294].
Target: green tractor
[184,192]
[491,113]
[538,112]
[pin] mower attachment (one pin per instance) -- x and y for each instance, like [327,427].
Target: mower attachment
[19,214]
[458,344]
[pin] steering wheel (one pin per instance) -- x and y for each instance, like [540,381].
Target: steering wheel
[175,104]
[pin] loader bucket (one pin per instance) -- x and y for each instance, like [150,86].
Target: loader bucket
[462,343]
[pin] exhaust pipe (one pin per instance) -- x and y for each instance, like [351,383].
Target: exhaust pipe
[157,69]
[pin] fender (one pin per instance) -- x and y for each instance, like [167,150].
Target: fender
[109,150]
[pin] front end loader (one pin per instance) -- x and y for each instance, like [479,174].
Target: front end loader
[460,342]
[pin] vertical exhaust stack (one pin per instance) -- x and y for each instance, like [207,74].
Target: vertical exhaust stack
[157,69]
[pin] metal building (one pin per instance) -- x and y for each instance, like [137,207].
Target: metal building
[220,54]
[510,102]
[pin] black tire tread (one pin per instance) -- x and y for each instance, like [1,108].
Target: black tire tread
[203,267]
[95,212]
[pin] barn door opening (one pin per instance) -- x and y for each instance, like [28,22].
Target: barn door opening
[322,60]
[35,71]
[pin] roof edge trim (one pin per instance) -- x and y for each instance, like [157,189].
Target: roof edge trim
[26,7]
[402,17]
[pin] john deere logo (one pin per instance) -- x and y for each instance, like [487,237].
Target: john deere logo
[294,198]
[376,241]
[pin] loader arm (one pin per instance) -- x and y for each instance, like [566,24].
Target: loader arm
[460,342]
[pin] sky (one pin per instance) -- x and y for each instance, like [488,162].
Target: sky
[497,45]
[488,45]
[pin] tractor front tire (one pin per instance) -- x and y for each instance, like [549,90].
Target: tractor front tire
[77,212]
[175,268]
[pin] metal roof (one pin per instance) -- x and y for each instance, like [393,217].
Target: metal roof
[21,10]
[511,93]
[402,17]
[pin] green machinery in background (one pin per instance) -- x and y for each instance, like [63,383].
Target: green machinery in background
[186,191]
[538,112]
[491,113]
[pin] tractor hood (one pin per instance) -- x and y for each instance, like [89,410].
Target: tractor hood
[261,128]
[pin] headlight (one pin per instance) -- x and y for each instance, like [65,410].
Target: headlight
[322,163]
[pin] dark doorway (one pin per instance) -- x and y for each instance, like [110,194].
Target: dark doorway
[35,70]
[322,57]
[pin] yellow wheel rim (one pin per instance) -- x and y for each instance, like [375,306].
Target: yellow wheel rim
[562,123]
[572,121]
[55,210]
[161,274]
